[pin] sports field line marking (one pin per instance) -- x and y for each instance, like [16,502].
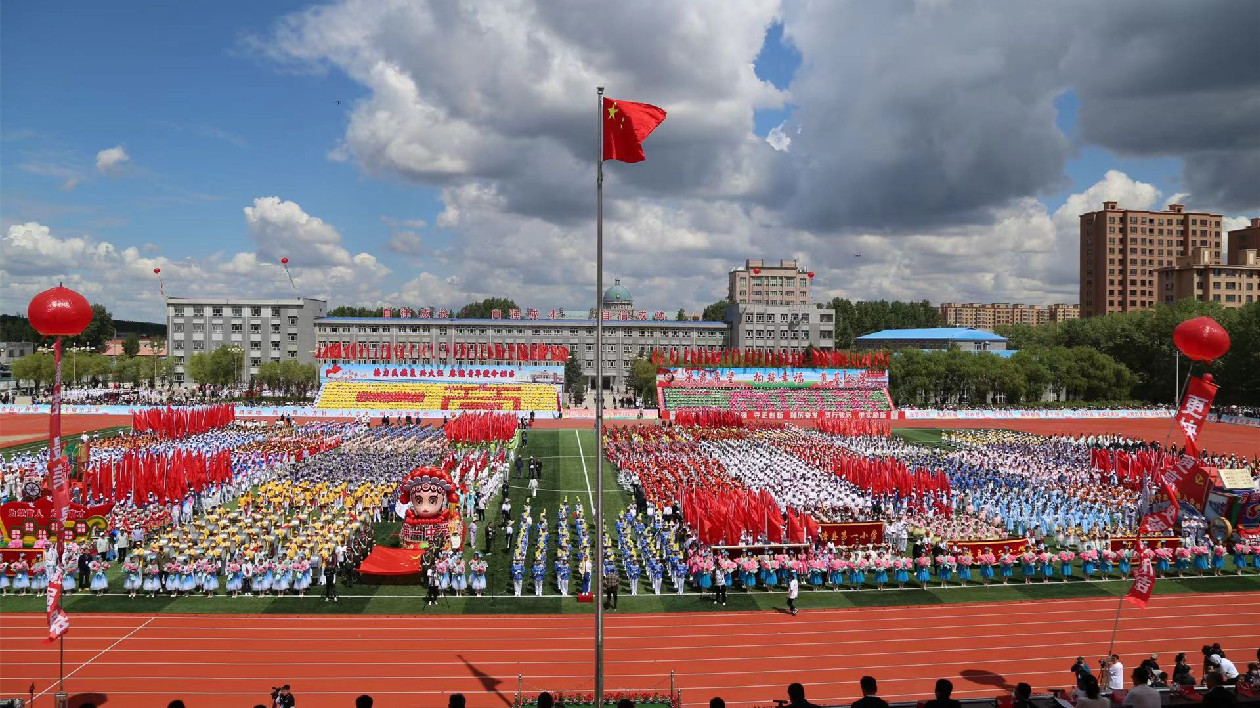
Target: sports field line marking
[103,652]
[582,453]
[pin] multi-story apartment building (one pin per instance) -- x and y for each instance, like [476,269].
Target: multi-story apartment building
[264,330]
[1245,239]
[1233,284]
[1120,250]
[789,328]
[990,315]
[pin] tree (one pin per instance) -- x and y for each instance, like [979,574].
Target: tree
[716,312]
[682,314]
[38,368]
[131,345]
[222,367]
[352,311]
[100,329]
[642,380]
[484,309]
[574,379]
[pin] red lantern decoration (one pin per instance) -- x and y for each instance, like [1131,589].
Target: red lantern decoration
[285,261]
[811,274]
[157,271]
[59,312]
[1202,339]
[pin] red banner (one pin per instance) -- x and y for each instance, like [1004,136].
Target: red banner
[855,533]
[995,546]
[1193,412]
[32,521]
[1123,542]
[392,561]
[1143,586]
[1156,523]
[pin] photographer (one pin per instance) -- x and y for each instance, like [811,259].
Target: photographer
[282,698]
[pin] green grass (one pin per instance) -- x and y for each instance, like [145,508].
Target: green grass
[10,451]
[563,452]
[927,437]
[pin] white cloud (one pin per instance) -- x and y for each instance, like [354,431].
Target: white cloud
[778,139]
[33,257]
[112,160]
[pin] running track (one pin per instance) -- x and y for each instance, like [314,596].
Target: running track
[748,658]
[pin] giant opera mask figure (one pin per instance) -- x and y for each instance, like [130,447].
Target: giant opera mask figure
[429,504]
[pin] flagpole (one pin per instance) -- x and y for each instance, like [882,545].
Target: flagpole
[1137,548]
[599,402]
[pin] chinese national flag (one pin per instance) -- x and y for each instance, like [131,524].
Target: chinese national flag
[626,126]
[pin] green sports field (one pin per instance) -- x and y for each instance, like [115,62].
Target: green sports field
[569,471]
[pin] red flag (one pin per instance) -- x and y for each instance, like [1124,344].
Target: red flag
[1143,585]
[626,126]
[1194,410]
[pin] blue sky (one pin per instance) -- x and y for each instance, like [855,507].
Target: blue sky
[209,126]
[212,121]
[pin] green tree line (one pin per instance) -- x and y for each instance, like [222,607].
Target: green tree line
[90,368]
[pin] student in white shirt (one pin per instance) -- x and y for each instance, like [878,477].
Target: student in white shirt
[794,589]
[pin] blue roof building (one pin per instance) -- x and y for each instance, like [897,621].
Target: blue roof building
[965,338]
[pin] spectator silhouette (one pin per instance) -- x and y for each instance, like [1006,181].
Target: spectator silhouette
[869,698]
[944,689]
[796,697]
[364,701]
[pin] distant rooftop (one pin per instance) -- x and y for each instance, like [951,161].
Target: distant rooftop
[967,334]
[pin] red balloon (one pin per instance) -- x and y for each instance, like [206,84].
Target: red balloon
[59,312]
[157,270]
[811,274]
[1201,339]
[756,271]
[284,261]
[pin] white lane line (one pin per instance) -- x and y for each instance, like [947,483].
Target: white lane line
[103,652]
[581,453]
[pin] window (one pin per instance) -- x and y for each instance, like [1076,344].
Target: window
[292,336]
[179,346]
[255,345]
[179,328]
[179,311]
[276,358]
[275,344]
[198,345]
[255,312]
[236,327]
[255,328]
[216,312]
[199,311]
[275,329]
[293,355]
[236,312]
[199,327]
[255,361]
[216,328]
[275,312]
[292,321]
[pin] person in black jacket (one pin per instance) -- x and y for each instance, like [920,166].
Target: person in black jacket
[944,689]
[1081,670]
[85,572]
[282,697]
[330,581]
[869,698]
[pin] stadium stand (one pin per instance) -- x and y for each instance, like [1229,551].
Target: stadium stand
[802,400]
[347,395]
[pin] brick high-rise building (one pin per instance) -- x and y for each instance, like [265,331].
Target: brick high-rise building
[1121,248]
[1245,239]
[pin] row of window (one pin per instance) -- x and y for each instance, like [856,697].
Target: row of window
[200,311]
[199,345]
[441,331]
[1160,222]
[254,327]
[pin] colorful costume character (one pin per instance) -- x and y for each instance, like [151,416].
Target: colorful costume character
[432,515]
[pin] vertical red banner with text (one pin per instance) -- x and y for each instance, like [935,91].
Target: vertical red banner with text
[1193,412]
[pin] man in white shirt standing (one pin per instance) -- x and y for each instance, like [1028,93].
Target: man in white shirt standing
[1115,673]
[1225,667]
[1142,695]
[794,589]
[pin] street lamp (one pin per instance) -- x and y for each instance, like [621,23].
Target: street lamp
[236,362]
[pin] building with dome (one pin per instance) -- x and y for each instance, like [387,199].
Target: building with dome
[617,299]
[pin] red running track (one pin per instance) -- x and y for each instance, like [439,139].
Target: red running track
[748,658]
